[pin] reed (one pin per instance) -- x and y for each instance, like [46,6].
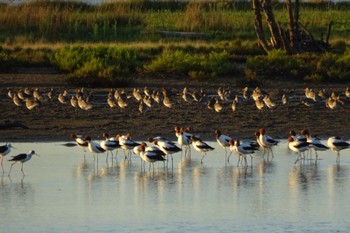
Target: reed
[60,21]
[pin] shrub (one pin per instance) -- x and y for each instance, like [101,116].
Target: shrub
[93,64]
[194,65]
[276,63]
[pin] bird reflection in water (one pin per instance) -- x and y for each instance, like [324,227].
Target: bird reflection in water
[303,177]
[265,166]
[337,173]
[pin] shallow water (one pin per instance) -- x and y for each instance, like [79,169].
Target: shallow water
[62,193]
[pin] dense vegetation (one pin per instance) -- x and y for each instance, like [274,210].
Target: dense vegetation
[108,42]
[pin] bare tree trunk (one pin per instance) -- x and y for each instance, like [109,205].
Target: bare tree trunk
[259,27]
[297,36]
[291,24]
[294,40]
[271,23]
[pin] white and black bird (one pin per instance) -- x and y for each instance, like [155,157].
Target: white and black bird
[337,144]
[21,158]
[201,146]
[80,141]
[94,147]
[223,141]
[298,146]
[242,149]
[4,150]
[109,144]
[151,155]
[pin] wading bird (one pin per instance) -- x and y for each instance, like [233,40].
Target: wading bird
[21,158]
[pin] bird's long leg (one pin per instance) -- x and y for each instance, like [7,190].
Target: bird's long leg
[299,155]
[22,169]
[189,151]
[141,162]
[316,157]
[112,158]
[172,162]
[245,160]
[203,157]
[338,157]
[239,159]
[11,169]
[263,156]
[2,166]
[228,158]
[251,160]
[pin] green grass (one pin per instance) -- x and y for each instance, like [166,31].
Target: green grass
[60,21]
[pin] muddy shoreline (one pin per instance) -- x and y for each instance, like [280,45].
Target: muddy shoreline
[54,121]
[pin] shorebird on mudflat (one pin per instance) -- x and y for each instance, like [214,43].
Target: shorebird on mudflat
[10,92]
[201,146]
[84,103]
[74,102]
[50,94]
[259,104]
[331,103]
[137,94]
[218,106]
[62,97]
[4,150]
[337,144]
[186,96]
[37,94]
[299,147]
[268,102]
[32,103]
[234,105]
[347,92]
[21,158]
[17,101]
[166,100]
[310,94]
[22,95]
[223,141]
[147,100]
[284,99]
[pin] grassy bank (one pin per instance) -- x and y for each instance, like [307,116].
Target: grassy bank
[103,44]
[61,21]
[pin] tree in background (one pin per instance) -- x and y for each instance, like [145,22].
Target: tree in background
[295,39]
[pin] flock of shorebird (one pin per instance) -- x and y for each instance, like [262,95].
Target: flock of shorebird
[164,148]
[146,99]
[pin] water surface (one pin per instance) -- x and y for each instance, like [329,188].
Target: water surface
[63,193]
